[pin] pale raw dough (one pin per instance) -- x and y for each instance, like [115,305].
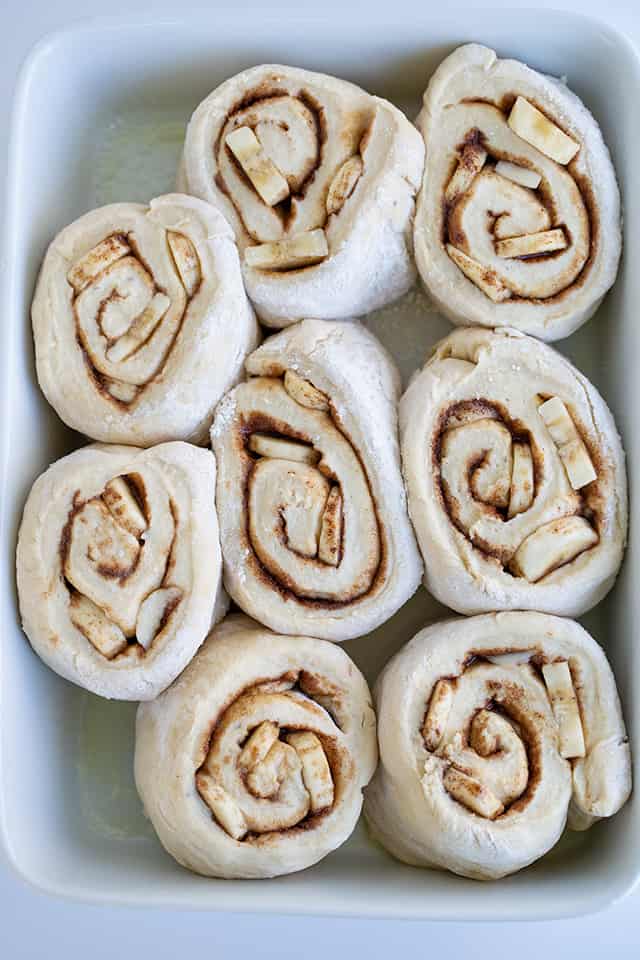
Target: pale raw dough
[244,676]
[165,385]
[272,508]
[469,99]
[311,125]
[155,576]
[408,806]
[500,378]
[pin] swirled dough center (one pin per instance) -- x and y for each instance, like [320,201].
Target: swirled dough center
[311,518]
[510,497]
[307,143]
[268,765]
[130,294]
[484,208]
[116,559]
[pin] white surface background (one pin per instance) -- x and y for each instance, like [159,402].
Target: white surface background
[36,926]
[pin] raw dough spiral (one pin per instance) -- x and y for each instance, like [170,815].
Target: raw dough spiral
[492,730]
[119,566]
[141,322]
[252,764]
[319,180]
[515,477]
[314,529]
[518,220]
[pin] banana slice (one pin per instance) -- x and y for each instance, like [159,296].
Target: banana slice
[123,506]
[437,714]
[529,123]
[316,772]
[100,631]
[154,613]
[222,805]
[344,183]
[552,545]
[266,777]
[304,392]
[510,659]
[124,392]
[471,793]
[140,330]
[331,529]
[96,260]
[186,261]
[261,171]
[521,175]
[546,241]
[483,277]
[258,745]
[279,449]
[522,480]
[306,495]
[301,250]
[571,448]
[559,683]
[469,166]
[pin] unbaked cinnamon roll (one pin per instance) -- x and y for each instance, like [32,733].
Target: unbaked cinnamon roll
[313,522]
[141,322]
[319,180]
[252,764]
[518,221]
[119,566]
[492,731]
[515,477]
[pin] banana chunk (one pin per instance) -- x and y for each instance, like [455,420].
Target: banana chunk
[154,612]
[469,166]
[278,449]
[96,260]
[261,171]
[331,529]
[343,184]
[546,241]
[304,392]
[472,794]
[265,778]
[437,714]
[529,123]
[140,330]
[521,175]
[101,632]
[510,659]
[564,703]
[316,772]
[123,506]
[552,545]
[571,448]
[186,261]
[301,250]
[484,277]
[522,480]
[122,391]
[258,745]
[305,495]
[222,805]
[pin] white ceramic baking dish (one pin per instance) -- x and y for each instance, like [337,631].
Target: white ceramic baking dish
[99,115]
